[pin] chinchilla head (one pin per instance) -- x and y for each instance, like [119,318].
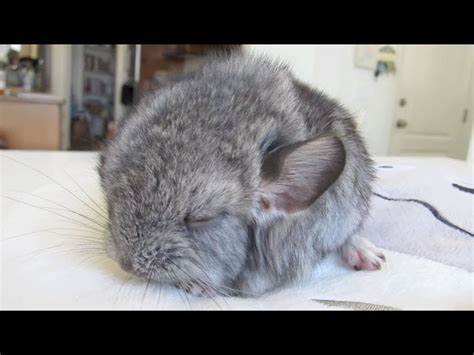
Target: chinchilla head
[203,162]
[177,209]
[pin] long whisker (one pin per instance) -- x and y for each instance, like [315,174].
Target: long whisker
[226,287]
[144,294]
[85,193]
[122,284]
[88,258]
[187,299]
[84,250]
[202,283]
[47,210]
[81,236]
[210,282]
[45,230]
[159,295]
[78,249]
[184,292]
[101,232]
[77,245]
[66,209]
[53,180]
[177,289]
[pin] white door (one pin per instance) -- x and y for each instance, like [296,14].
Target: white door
[433,101]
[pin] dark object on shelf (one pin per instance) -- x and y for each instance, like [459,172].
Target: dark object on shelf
[3,143]
[127,94]
[27,62]
[80,134]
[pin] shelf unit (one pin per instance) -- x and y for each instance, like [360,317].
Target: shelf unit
[93,88]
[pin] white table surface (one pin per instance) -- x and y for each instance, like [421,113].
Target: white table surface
[48,268]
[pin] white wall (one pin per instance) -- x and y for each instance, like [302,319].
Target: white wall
[300,57]
[331,69]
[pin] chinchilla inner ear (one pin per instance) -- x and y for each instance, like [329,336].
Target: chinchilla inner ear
[294,176]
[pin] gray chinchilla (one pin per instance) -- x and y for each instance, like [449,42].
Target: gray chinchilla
[236,179]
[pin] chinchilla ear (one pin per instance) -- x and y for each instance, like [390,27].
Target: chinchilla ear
[294,176]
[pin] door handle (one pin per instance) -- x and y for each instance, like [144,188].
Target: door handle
[401,123]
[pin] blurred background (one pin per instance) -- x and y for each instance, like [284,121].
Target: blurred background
[408,100]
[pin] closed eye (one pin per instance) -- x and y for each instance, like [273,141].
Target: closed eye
[201,221]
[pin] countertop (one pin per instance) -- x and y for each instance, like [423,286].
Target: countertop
[36,98]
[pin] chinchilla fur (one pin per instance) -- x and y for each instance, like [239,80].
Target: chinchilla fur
[234,179]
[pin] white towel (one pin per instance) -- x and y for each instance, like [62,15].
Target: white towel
[429,263]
